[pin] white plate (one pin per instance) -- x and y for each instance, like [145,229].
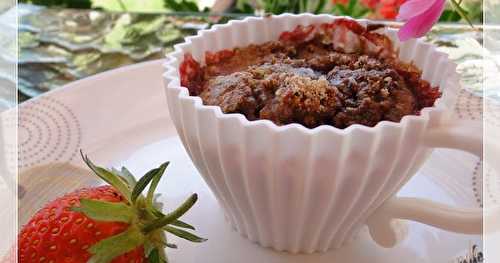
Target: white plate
[120,118]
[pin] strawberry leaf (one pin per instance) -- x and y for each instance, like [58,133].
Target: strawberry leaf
[170,245]
[126,175]
[147,223]
[154,183]
[157,212]
[184,234]
[179,223]
[105,211]
[106,250]
[171,217]
[154,256]
[146,179]
[148,247]
[117,182]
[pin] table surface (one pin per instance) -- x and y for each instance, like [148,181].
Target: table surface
[58,46]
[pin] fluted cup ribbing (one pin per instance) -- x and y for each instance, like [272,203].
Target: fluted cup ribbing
[289,187]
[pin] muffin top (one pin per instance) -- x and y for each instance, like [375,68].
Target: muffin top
[336,74]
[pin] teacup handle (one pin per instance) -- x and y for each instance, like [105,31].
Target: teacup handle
[384,226]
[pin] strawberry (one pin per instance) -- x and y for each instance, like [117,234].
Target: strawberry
[112,223]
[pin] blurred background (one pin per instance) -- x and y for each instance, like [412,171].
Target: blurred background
[375,9]
[64,40]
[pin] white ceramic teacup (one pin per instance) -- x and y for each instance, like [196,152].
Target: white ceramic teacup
[305,190]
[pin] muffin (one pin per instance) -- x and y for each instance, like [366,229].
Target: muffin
[309,78]
[302,133]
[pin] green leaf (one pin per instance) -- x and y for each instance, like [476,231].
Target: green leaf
[122,5]
[320,6]
[449,16]
[128,176]
[274,7]
[158,256]
[105,211]
[190,6]
[172,5]
[154,256]
[148,247]
[303,6]
[177,223]
[170,245]
[130,182]
[342,9]
[171,217]
[117,182]
[146,179]
[82,4]
[181,224]
[461,12]
[248,8]
[351,6]
[184,234]
[106,250]
[129,5]
[282,9]
[157,212]
[154,183]
[361,12]
[182,6]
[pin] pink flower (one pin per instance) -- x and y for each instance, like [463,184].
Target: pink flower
[419,15]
